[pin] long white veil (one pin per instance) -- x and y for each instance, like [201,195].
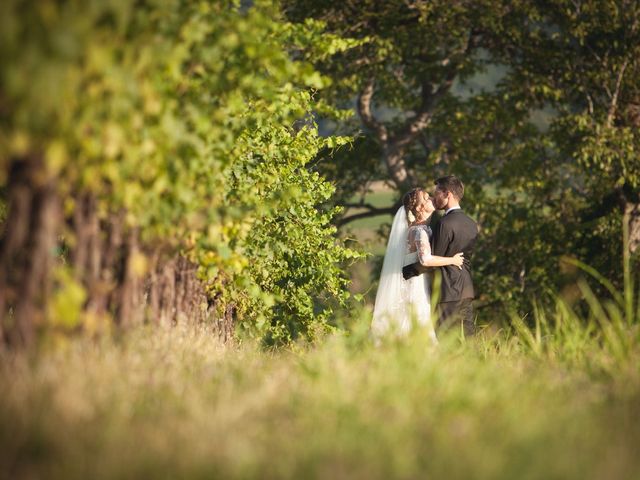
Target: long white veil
[401,303]
[390,312]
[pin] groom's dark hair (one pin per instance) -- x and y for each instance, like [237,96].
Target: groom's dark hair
[452,184]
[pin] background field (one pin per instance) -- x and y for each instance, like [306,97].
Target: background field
[370,235]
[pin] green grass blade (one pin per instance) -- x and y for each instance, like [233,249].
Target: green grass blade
[599,277]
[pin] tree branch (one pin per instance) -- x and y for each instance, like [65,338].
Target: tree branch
[394,146]
[371,212]
[368,206]
[366,115]
[429,96]
[614,100]
[392,153]
[421,120]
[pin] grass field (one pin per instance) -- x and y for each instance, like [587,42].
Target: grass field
[561,402]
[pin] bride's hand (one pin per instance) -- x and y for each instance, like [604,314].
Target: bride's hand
[458,260]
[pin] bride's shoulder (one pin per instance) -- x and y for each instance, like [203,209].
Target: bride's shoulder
[417,231]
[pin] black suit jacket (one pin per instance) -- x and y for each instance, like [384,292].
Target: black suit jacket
[455,233]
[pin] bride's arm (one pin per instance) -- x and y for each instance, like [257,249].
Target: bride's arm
[426,259]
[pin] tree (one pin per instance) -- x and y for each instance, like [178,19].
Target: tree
[547,149]
[579,188]
[400,80]
[148,152]
[581,58]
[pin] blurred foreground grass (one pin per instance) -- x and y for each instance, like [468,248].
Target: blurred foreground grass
[548,404]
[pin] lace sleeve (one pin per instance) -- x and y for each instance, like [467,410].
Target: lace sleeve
[423,246]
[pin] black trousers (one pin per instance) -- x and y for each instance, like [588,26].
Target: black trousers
[453,314]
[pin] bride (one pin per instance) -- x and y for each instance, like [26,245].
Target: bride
[400,301]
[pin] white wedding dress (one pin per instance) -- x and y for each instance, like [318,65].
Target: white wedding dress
[401,303]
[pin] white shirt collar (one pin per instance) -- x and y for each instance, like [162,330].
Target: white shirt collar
[450,209]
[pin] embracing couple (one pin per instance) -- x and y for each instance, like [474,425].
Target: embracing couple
[403,297]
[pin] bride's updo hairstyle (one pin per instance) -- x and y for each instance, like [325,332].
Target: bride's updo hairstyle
[411,200]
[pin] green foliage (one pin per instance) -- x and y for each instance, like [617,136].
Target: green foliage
[569,329]
[406,48]
[184,116]
[400,44]
[541,123]
[67,303]
[288,243]
[579,173]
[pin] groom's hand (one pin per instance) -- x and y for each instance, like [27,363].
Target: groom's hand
[409,271]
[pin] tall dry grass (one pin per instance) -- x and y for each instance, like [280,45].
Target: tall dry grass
[554,396]
[560,400]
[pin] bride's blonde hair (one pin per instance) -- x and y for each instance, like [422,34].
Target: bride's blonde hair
[410,200]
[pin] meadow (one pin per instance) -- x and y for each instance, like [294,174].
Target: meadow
[559,400]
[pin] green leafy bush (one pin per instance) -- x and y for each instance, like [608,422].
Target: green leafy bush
[186,125]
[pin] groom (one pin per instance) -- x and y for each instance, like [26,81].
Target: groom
[455,233]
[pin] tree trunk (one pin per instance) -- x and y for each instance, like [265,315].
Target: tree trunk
[130,307]
[105,259]
[394,159]
[27,250]
[167,293]
[632,215]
